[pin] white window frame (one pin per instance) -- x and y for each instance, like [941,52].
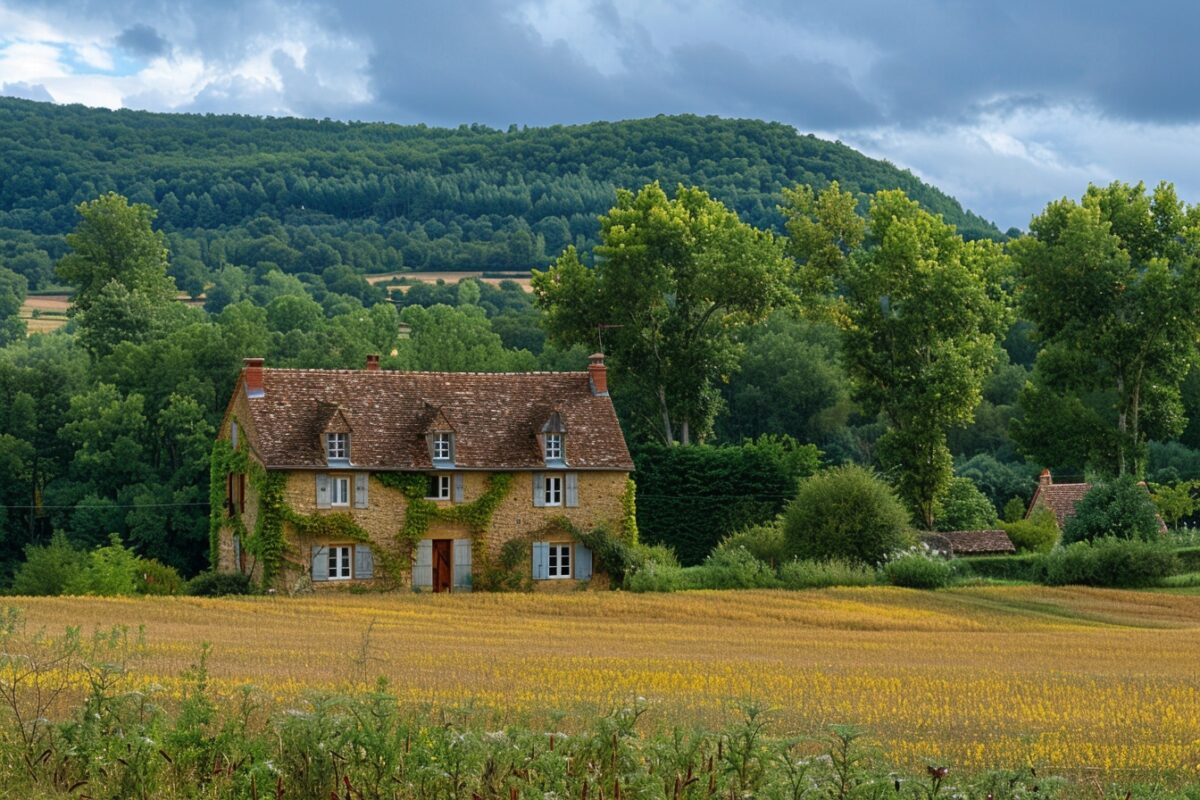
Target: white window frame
[337,446]
[444,486]
[552,490]
[556,555]
[339,491]
[443,446]
[341,562]
[554,447]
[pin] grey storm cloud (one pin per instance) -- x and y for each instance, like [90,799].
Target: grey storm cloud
[26,91]
[142,40]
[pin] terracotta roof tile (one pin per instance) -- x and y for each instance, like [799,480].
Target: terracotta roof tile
[1061,498]
[495,417]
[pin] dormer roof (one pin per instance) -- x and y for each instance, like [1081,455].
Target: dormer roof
[495,418]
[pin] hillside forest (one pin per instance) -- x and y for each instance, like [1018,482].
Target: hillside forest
[768,301]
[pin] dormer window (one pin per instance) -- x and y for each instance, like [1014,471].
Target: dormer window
[554,447]
[443,446]
[337,446]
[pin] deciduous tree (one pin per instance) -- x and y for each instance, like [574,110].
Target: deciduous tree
[1114,281]
[919,310]
[675,280]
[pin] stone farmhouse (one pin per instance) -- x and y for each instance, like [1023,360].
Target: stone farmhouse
[437,481]
[1061,499]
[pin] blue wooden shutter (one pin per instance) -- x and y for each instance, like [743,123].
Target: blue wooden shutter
[322,491]
[539,490]
[237,552]
[360,490]
[422,571]
[571,479]
[462,565]
[364,562]
[320,563]
[541,561]
[458,487]
[583,563]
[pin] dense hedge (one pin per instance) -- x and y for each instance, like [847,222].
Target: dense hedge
[690,498]
[1008,568]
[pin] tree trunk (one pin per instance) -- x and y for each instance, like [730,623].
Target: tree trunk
[668,432]
[685,435]
[1122,425]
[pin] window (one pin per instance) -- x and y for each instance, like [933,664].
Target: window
[340,488]
[233,432]
[339,563]
[439,487]
[442,448]
[337,446]
[553,490]
[559,561]
[554,447]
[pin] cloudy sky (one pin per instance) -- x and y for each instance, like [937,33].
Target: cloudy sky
[1005,104]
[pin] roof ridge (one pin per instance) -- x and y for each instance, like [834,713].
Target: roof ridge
[421,371]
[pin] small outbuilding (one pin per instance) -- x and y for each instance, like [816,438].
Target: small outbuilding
[955,544]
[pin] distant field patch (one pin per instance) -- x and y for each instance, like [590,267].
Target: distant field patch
[448,277]
[975,677]
[52,310]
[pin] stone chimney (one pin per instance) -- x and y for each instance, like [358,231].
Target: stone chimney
[598,374]
[252,373]
[1044,479]
[373,362]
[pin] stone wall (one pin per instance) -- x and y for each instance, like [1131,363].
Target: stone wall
[600,502]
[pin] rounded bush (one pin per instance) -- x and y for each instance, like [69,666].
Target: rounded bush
[1038,534]
[154,577]
[964,508]
[765,542]
[845,513]
[916,571]
[1120,509]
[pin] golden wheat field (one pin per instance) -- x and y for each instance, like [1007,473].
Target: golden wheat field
[975,677]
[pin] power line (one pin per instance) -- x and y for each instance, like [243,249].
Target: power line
[108,505]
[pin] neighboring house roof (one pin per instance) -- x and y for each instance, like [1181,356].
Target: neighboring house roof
[1061,498]
[970,543]
[495,417]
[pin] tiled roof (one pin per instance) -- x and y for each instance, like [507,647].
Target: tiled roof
[495,418]
[971,543]
[1061,498]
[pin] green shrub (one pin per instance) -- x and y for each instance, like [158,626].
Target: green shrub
[845,513]
[48,569]
[110,571]
[1014,510]
[1125,563]
[917,571]
[1120,508]
[1038,534]
[734,568]
[217,584]
[820,574]
[964,508]
[1189,558]
[1026,567]
[657,577]
[765,542]
[156,578]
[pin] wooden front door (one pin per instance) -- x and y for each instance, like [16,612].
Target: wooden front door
[443,564]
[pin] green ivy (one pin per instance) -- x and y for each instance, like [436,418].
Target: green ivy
[629,528]
[475,516]
[268,544]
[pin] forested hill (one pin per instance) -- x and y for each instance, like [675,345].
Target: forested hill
[388,196]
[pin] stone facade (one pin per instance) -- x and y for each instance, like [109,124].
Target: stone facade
[601,496]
